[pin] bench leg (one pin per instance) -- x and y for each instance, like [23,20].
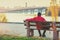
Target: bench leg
[31,32]
[55,35]
[28,32]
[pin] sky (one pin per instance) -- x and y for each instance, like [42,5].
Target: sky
[23,3]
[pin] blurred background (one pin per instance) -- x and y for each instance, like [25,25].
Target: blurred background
[16,11]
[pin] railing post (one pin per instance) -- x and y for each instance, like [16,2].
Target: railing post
[55,35]
[55,32]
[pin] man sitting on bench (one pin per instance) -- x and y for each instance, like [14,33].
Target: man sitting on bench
[38,18]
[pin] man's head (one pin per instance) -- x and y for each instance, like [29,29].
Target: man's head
[39,14]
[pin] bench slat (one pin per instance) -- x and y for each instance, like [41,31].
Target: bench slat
[47,24]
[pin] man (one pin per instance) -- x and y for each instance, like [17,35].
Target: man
[38,18]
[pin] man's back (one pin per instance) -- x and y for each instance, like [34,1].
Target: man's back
[38,18]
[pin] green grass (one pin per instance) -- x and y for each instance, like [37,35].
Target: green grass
[9,37]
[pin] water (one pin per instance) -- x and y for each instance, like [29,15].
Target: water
[13,29]
[19,29]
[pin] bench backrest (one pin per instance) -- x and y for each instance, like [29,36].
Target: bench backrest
[46,24]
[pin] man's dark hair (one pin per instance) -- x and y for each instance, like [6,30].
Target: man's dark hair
[39,14]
